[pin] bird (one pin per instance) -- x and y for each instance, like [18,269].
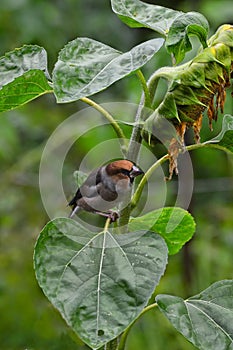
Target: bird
[104,188]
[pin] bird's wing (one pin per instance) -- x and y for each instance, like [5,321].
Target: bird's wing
[106,194]
[88,188]
[75,198]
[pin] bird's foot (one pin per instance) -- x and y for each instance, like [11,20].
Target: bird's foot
[112,215]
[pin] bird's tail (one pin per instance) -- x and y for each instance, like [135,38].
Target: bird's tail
[74,210]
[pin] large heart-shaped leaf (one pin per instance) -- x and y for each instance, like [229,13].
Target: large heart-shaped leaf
[224,140]
[98,282]
[205,319]
[86,66]
[175,225]
[136,13]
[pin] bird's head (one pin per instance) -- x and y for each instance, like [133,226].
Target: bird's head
[123,170]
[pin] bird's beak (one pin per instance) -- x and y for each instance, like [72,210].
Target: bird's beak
[135,172]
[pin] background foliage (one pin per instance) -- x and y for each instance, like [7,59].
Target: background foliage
[28,320]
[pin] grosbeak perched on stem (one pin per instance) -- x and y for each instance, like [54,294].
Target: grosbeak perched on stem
[105,188]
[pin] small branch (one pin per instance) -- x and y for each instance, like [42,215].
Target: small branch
[124,336]
[121,136]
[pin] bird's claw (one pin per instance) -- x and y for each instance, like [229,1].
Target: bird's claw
[113,216]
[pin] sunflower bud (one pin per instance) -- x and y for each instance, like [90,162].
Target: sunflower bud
[194,87]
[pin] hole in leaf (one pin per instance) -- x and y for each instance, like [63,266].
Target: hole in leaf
[100,332]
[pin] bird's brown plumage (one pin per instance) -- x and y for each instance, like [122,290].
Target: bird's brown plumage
[105,187]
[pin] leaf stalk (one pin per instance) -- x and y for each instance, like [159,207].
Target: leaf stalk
[119,132]
[125,334]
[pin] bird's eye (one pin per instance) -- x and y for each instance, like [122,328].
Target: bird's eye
[125,172]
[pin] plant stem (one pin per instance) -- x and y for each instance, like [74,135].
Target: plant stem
[152,86]
[138,192]
[135,139]
[132,154]
[205,144]
[124,335]
[121,136]
[134,148]
[107,223]
[112,345]
[145,89]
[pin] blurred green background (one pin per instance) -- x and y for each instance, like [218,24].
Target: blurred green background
[28,321]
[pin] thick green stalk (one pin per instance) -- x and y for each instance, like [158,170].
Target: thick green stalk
[145,103]
[132,154]
[136,139]
[134,147]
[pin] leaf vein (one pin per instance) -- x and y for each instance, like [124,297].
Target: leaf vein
[212,320]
